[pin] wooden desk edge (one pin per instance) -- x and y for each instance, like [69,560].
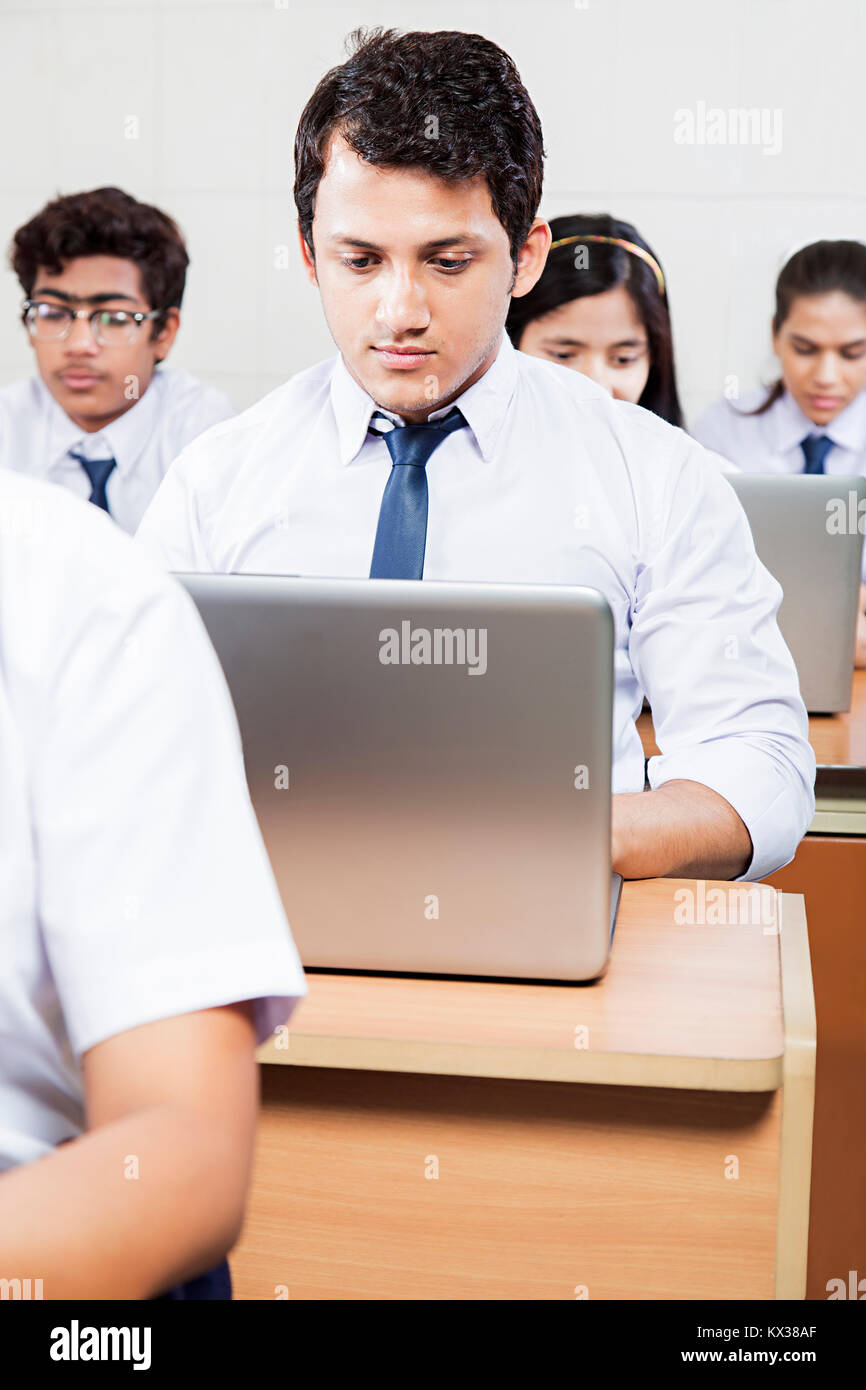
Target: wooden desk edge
[798,1101]
[528,1063]
[538,1063]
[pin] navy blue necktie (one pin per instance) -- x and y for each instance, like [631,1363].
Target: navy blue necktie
[98,471]
[401,536]
[815,448]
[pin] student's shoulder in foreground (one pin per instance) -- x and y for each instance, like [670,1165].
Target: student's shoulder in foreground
[69,545]
[107,673]
[71,581]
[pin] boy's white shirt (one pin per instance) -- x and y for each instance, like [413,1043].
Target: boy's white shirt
[36,436]
[134,884]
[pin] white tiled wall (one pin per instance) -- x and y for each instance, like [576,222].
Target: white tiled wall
[217,87]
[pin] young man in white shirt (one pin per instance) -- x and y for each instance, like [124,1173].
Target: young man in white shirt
[418,178]
[144,946]
[103,278]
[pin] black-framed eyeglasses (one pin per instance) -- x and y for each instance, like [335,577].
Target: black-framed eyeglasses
[49,323]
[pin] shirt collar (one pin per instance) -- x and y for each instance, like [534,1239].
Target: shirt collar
[126,437]
[483,404]
[792,425]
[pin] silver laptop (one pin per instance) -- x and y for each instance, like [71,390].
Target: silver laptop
[430,764]
[803,533]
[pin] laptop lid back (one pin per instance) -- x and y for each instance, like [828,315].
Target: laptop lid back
[801,525]
[430,764]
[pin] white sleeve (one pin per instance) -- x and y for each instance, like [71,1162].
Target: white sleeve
[156,897]
[721,682]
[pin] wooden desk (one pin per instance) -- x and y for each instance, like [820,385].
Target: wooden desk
[829,870]
[447,1139]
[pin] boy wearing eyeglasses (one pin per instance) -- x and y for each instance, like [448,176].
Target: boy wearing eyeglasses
[103,277]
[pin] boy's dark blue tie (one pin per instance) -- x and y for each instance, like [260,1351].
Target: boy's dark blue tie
[401,536]
[815,448]
[98,471]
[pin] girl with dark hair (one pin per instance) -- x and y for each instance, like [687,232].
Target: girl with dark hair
[819,337]
[601,307]
[813,419]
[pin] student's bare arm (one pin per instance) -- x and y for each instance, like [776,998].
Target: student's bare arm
[153,1194]
[860,654]
[682,829]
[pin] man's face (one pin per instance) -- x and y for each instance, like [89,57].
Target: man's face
[415,275]
[93,383]
[822,349]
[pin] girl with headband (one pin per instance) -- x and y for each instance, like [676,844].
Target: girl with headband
[601,308]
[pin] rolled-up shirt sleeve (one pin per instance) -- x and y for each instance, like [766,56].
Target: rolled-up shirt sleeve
[720,680]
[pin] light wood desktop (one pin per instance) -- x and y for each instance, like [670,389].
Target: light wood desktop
[644,1136]
[829,870]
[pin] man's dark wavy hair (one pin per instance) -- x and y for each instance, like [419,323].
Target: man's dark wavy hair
[105,222]
[447,102]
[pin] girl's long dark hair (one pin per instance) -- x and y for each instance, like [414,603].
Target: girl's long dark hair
[606,267]
[820,268]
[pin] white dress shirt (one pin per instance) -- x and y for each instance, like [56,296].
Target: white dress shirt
[553,482]
[36,435]
[134,885]
[770,442]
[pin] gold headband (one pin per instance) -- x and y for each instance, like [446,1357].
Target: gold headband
[626,246]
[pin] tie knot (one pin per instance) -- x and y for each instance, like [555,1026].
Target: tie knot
[412,445]
[98,471]
[815,448]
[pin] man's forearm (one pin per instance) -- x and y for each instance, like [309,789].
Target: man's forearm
[83,1223]
[682,829]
